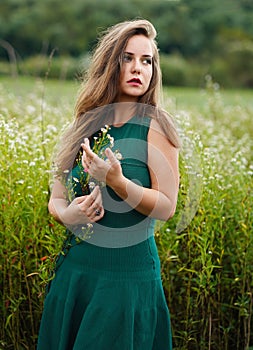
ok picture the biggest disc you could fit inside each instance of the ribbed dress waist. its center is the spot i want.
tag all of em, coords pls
(138, 261)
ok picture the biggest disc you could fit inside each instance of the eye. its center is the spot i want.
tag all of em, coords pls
(147, 61)
(127, 58)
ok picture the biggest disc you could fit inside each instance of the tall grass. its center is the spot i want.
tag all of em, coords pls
(27, 232)
(207, 268)
(206, 250)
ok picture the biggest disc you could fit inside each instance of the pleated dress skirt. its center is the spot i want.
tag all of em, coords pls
(106, 299)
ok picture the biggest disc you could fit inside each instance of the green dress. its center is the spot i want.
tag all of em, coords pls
(107, 292)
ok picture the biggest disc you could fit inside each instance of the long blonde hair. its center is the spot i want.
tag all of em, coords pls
(102, 81)
(100, 88)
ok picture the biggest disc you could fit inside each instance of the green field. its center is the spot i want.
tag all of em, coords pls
(57, 91)
(206, 250)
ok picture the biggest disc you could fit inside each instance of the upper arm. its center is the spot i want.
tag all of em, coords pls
(163, 163)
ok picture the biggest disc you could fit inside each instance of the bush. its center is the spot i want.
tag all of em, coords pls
(220, 71)
(177, 71)
(55, 67)
(233, 67)
(240, 62)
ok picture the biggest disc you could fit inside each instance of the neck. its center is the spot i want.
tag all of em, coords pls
(123, 112)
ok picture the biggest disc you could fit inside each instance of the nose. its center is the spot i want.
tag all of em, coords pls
(136, 68)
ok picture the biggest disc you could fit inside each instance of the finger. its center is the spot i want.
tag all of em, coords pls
(87, 142)
(88, 151)
(85, 205)
(94, 209)
(80, 199)
(99, 198)
(87, 156)
(90, 199)
(96, 205)
(85, 162)
(88, 209)
(110, 155)
(95, 217)
(95, 192)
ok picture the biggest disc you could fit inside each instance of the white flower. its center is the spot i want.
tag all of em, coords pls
(118, 155)
(30, 109)
(92, 185)
(111, 140)
(20, 182)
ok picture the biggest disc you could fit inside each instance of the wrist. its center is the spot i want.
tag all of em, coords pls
(119, 185)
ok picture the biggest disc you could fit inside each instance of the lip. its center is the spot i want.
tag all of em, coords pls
(134, 81)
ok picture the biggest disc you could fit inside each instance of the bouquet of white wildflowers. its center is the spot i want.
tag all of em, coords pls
(83, 183)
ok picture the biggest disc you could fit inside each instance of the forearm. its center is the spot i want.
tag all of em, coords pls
(56, 207)
(147, 201)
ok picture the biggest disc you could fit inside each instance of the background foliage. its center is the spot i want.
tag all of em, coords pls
(195, 37)
(207, 262)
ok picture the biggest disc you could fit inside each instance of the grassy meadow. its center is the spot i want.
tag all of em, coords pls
(206, 250)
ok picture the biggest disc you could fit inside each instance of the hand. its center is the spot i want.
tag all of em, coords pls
(84, 209)
(107, 171)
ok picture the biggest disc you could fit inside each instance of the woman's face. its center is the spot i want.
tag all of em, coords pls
(136, 70)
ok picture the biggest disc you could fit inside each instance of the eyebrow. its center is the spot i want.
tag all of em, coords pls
(132, 54)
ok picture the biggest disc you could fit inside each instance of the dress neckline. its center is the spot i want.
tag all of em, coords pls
(118, 126)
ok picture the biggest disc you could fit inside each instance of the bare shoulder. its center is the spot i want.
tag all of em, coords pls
(156, 127)
(156, 136)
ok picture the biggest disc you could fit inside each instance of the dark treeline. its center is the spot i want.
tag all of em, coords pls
(216, 35)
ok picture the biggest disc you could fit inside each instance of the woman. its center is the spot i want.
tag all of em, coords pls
(107, 291)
